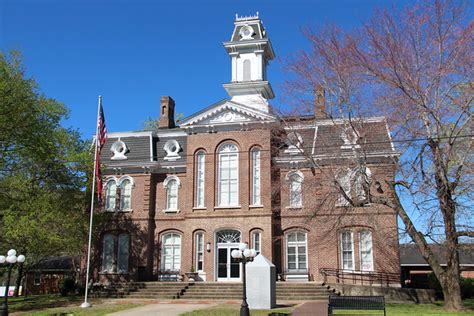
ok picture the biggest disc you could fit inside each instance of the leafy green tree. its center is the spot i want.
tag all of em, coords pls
(43, 171)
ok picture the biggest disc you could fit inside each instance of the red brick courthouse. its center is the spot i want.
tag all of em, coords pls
(181, 198)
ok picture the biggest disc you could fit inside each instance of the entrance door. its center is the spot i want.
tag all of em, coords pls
(228, 269)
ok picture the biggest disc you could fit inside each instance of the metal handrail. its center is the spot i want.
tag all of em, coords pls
(360, 277)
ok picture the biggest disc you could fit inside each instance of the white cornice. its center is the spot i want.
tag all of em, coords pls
(231, 106)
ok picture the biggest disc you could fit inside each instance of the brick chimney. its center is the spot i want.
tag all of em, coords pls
(319, 103)
(166, 112)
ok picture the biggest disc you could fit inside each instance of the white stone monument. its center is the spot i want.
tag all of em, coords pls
(261, 283)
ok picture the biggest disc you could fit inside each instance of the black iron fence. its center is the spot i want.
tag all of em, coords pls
(360, 277)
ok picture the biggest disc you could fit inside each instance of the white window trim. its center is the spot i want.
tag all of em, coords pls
(162, 257)
(306, 251)
(219, 153)
(105, 189)
(118, 253)
(289, 180)
(165, 186)
(196, 254)
(254, 233)
(254, 164)
(115, 253)
(200, 190)
(371, 252)
(344, 180)
(119, 185)
(342, 249)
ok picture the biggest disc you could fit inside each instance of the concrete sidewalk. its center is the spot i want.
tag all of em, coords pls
(163, 309)
(313, 308)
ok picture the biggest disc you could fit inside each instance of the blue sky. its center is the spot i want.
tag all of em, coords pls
(132, 52)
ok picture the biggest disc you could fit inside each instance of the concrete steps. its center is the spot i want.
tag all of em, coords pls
(285, 291)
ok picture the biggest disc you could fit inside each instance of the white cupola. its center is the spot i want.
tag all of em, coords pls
(250, 51)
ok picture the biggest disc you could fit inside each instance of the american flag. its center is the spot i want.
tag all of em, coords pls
(100, 141)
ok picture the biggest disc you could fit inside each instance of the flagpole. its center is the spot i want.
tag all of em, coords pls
(86, 304)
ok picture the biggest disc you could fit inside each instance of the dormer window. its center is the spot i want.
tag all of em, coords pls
(246, 33)
(295, 143)
(119, 150)
(172, 149)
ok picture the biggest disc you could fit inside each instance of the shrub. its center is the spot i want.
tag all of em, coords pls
(67, 286)
(467, 287)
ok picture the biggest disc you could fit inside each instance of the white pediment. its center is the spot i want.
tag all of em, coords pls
(227, 112)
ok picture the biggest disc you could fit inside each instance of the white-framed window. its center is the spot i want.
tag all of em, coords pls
(296, 251)
(110, 195)
(171, 185)
(296, 189)
(228, 170)
(257, 241)
(362, 178)
(344, 182)
(347, 250)
(200, 173)
(199, 242)
(123, 252)
(256, 177)
(115, 252)
(171, 252)
(125, 194)
(365, 249)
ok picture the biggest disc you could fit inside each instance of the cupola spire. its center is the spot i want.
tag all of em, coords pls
(250, 50)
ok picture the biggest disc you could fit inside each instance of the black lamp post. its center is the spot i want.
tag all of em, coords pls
(244, 255)
(10, 259)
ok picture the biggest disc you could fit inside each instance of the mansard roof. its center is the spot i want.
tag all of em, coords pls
(337, 138)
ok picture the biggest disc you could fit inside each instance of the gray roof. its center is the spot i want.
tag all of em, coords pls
(138, 150)
(410, 254)
(323, 139)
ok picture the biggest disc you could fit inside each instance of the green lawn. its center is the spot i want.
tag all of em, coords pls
(95, 310)
(392, 310)
(233, 310)
(415, 309)
(54, 304)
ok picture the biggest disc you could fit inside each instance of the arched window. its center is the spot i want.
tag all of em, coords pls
(296, 186)
(347, 250)
(125, 194)
(257, 241)
(115, 252)
(171, 252)
(296, 251)
(362, 178)
(108, 249)
(247, 70)
(365, 249)
(199, 244)
(228, 171)
(110, 195)
(255, 157)
(172, 184)
(344, 181)
(200, 167)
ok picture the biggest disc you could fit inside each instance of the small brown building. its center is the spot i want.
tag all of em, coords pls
(46, 277)
(416, 271)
